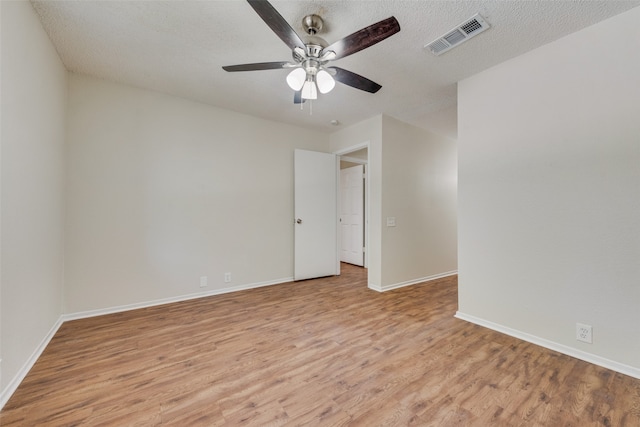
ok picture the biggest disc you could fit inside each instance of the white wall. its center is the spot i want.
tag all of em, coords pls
(162, 191)
(419, 190)
(549, 200)
(34, 84)
(413, 176)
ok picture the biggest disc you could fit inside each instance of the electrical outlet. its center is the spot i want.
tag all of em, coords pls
(227, 277)
(584, 333)
(203, 281)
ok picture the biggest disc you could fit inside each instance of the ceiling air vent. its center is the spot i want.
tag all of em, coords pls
(463, 32)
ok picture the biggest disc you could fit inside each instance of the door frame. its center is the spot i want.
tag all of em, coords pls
(342, 154)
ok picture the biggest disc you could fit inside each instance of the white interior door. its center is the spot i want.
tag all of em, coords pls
(315, 206)
(352, 215)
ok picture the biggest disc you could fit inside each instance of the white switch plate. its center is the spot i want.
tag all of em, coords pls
(391, 221)
(203, 281)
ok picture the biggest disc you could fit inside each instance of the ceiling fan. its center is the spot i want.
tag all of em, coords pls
(310, 57)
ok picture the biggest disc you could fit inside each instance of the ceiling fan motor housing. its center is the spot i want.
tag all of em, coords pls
(313, 50)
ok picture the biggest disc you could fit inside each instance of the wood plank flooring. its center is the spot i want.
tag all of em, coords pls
(324, 352)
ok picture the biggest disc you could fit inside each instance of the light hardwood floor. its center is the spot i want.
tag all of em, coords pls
(320, 352)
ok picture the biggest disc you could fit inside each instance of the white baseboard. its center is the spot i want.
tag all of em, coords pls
(15, 382)
(411, 282)
(22, 373)
(121, 308)
(561, 348)
(374, 287)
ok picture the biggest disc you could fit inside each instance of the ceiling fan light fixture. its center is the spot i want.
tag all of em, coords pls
(325, 81)
(297, 78)
(309, 90)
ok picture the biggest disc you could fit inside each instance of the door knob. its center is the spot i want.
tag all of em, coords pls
(299, 221)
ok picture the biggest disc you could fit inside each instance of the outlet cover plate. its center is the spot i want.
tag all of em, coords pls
(584, 333)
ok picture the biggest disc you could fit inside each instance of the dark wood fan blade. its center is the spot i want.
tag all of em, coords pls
(297, 97)
(355, 80)
(277, 23)
(256, 67)
(364, 38)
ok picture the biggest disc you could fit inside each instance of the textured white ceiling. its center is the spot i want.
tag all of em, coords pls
(179, 47)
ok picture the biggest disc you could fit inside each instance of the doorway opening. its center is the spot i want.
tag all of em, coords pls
(353, 230)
